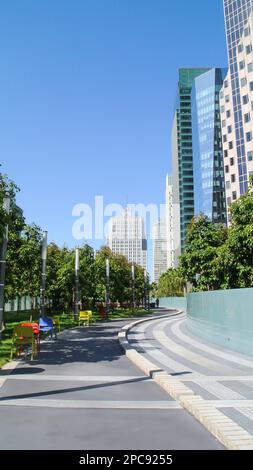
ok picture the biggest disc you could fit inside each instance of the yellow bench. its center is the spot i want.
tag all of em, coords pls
(85, 316)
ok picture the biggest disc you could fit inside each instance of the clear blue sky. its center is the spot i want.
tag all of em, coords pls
(87, 90)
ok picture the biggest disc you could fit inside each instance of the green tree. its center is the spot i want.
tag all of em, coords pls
(55, 260)
(23, 265)
(170, 284)
(65, 279)
(120, 276)
(7, 187)
(198, 263)
(139, 284)
(87, 276)
(238, 252)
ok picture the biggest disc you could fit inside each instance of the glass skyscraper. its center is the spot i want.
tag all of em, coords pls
(182, 163)
(208, 167)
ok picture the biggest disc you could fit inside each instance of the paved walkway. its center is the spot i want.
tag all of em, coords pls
(220, 376)
(83, 393)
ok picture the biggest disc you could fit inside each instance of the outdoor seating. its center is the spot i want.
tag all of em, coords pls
(85, 316)
(46, 325)
(36, 331)
(24, 336)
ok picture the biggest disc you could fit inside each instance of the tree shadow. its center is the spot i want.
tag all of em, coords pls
(80, 345)
(73, 389)
(21, 370)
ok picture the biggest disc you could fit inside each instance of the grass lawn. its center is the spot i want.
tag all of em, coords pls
(66, 321)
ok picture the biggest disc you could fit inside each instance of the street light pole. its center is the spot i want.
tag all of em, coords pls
(3, 249)
(107, 288)
(145, 289)
(148, 296)
(133, 285)
(43, 273)
(76, 307)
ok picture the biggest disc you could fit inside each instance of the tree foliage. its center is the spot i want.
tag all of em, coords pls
(197, 263)
(220, 258)
(170, 284)
(7, 188)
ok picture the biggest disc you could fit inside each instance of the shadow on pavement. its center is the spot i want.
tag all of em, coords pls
(22, 370)
(80, 345)
(73, 389)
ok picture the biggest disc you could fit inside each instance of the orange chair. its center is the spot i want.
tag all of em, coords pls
(24, 336)
(36, 330)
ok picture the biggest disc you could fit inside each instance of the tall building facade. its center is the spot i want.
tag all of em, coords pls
(208, 168)
(236, 99)
(160, 241)
(169, 222)
(182, 160)
(126, 236)
(162, 236)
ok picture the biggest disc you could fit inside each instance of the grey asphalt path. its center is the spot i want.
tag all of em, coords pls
(83, 393)
(222, 377)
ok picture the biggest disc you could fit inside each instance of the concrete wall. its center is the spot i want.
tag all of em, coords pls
(224, 317)
(173, 302)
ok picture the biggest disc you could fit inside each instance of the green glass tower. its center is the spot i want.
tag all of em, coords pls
(182, 158)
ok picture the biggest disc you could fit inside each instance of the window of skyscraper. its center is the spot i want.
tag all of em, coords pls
(232, 161)
(241, 64)
(250, 67)
(243, 81)
(247, 117)
(247, 31)
(248, 136)
(233, 178)
(250, 156)
(245, 99)
(249, 49)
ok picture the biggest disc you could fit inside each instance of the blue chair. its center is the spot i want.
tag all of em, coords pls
(46, 325)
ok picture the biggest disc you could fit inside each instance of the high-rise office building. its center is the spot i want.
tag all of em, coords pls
(236, 98)
(160, 241)
(182, 163)
(126, 236)
(162, 237)
(208, 168)
(169, 222)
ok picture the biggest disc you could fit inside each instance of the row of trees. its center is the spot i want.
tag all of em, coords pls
(23, 270)
(92, 277)
(215, 257)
